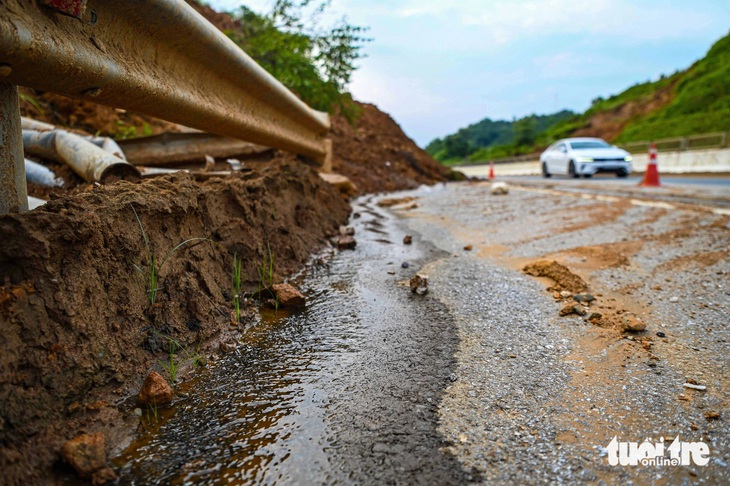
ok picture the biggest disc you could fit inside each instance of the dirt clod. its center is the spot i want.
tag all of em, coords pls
(86, 453)
(419, 284)
(155, 390)
(564, 279)
(346, 243)
(288, 296)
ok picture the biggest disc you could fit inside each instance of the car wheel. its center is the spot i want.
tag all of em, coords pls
(571, 170)
(622, 174)
(545, 172)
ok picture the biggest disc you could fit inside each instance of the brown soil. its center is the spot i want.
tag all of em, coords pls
(609, 125)
(377, 156)
(77, 326)
(79, 334)
(564, 279)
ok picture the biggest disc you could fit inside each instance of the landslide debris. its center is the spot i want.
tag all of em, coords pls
(79, 333)
(564, 279)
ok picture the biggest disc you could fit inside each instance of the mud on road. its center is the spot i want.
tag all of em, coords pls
(480, 380)
(540, 396)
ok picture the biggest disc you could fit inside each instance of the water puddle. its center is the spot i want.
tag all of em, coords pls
(343, 392)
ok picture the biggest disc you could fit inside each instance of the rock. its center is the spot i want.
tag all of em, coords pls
(661, 334)
(407, 239)
(288, 296)
(137, 412)
(499, 189)
(346, 242)
(567, 310)
(347, 230)
(674, 299)
(453, 377)
(103, 476)
(565, 294)
(584, 298)
(155, 390)
(86, 453)
(419, 284)
(556, 295)
(572, 309)
(405, 265)
(595, 318)
(227, 346)
(712, 415)
(632, 323)
(468, 247)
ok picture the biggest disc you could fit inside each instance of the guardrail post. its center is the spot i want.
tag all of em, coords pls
(13, 190)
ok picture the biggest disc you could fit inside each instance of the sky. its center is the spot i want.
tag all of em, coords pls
(437, 65)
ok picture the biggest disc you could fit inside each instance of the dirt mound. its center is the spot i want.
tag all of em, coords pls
(377, 156)
(564, 279)
(78, 328)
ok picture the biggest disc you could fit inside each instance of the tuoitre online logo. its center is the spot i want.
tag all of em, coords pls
(678, 453)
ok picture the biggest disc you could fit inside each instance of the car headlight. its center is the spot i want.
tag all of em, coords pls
(628, 158)
(584, 159)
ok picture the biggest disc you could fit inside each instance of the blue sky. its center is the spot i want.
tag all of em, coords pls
(437, 66)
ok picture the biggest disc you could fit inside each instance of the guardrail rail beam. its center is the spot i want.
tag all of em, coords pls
(161, 58)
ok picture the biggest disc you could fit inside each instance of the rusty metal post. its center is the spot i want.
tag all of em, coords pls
(13, 190)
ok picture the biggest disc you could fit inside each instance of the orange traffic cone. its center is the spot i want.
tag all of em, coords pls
(651, 176)
(491, 170)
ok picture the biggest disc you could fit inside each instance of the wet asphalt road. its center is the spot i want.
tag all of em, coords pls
(480, 380)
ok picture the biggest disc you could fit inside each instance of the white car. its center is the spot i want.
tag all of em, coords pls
(584, 157)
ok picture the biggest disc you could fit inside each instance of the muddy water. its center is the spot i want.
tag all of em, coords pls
(344, 392)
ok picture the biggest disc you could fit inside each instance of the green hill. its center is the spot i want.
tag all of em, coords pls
(689, 102)
(490, 139)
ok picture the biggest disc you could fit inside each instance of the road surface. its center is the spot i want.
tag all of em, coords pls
(481, 380)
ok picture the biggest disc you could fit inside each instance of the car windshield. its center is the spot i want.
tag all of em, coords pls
(589, 144)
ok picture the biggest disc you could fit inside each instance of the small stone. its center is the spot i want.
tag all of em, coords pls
(682, 397)
(587, 298)
(86, 453)
(391, 272)
(661, 334)
(347, 230)
(499, 189)
(468, 247)
(565, 294)
(578, 309)
(155, 390)
(712, 415)
(567, 310)
(632, 323)
(419, 284)
(227, 346)
(556, 295)
(453, 377)
(103, 476)
(407, 239)
(137, 412)
(288, 296)
(346, 242)
(405, 265)
(674, 299)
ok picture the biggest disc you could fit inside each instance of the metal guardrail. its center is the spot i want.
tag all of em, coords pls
(680, 144)
(157, 57)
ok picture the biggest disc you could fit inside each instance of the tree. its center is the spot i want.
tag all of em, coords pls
(314, 62)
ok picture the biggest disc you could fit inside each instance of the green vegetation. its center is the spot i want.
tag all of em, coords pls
(689, 102)
(490, 139)
(236, 286)
(314, 62)
(266, 275)
(150, 272)
(170, 366)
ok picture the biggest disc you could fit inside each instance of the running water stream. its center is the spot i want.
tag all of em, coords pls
(343, 392)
